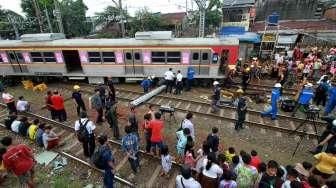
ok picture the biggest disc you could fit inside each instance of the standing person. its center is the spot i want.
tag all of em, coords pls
(246, 77)
(213, 140)
(85, 132)
(156, 126)
(19, 159)
(151, 111)
(274, 102)
(112, 118)
(169, 80)
(322, 92)
(227, 180)
(49, 106)
(133, 121)
(185, 180)
(147, 131)
(241, 112)
(190, 78)
(331, 103)
(77, 97)
(145, 84)
(215, 97)
(255, 159)
(130, 145)
(211, 171)
(268, 179)
(102, 92)
(111, 88)
(326, 164)
(58, 105)
(246, 174)
(186, 123)
(182, 138)
(305, 97)
(97, 104)
(179, 83)
(9, 101)
(107, 160)
(49, 137)
(166, 161)
(22, 105)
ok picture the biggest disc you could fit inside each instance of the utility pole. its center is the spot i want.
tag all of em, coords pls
(58, 15)
(12, 22)
(48, 19)
(38, 15)
(201, 6)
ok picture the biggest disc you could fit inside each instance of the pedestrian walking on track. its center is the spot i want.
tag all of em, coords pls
(85, 133)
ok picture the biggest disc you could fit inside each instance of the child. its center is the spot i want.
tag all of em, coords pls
(166, 161)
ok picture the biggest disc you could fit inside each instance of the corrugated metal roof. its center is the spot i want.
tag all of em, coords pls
(287, 39)
(237, 2)
(120, 42)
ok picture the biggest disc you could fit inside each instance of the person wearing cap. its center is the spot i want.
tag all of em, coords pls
(274, 102)
(326, 164)
(215, 96)
(331, 103)
(77, 97)
(241, 112)
(305, 97)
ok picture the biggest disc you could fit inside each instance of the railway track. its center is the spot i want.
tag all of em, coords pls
(150, 165)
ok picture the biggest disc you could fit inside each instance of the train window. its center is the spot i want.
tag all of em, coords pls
(108, 57)
(19, 56)
(158, 57)
(1, 59)
(173, 57)
(195, 56)
(137, 56)
(94, 57)
(128, 56)
(49, 57)
(36, 54)
(205, 56)
(37, 57)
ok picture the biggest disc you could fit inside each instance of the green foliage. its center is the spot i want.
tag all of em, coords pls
(144, 20)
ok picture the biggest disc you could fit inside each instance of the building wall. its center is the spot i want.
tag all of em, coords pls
(330, 14)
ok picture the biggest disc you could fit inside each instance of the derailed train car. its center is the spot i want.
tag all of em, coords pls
(149, 53)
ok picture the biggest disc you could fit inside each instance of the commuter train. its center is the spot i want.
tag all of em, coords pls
(149, 53)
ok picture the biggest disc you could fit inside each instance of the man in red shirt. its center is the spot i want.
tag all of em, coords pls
(156, 127)
(19, 159)
(255, 159)
(58, 105)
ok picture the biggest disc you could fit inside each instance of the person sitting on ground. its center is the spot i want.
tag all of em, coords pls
(213, 140)
(9, 120)
(307, 165)
(255, 159)
(211, 171)
(32, 130)
(229, 154)
(39, 134)
(189, 157)
(24, 126)
(222, 162)
(50, 139)
(15, 125)
(261, 171)
(22, 105)
(201, 155)
(326, 164)
(185, 180)
(235, 164)
(303, 174)
(227, 180)
(9, 100)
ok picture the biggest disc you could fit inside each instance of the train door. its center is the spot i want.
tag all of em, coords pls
(195, 60)
(17, 61)
(205, 62)
(133, 62)
(129, 64)
(72, 61)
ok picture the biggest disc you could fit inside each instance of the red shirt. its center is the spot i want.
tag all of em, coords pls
(57, 102)
(18, 159)
(255, 161)
(156, 126)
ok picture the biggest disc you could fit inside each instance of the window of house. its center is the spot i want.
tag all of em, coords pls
(158, 57)
(173, 57)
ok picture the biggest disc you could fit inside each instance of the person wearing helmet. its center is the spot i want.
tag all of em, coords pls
(77, 97)
(274, 102)
(215, 96)
(305, 97)
(246, 76)
(331, 103)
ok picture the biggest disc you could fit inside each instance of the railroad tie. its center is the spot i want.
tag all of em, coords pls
(178, 104)
(154, 176)
(188, 106)
(81, 151)
(263, 131)
(159, 101)
(276, 123)
(261, 120)
(221, 113)
(61, 132)
(172, 181)
(278, 134)
(68, 148)
(122, 163)
(198, 108)
(209, 110)
(292, 125)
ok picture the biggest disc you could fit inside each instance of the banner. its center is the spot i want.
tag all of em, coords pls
(119, 57)
(4, 57)
(146, 57)
(83, 55)
(59, 57)
(26, 57)
(185, 57)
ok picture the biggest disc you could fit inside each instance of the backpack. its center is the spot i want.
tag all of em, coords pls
(17, 161)
(97, 158)
(245, 177)
(82, 133)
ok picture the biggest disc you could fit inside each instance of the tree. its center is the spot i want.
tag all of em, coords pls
(145, 21)
(9, 21)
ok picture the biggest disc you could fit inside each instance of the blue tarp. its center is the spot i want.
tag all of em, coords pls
(239, 32)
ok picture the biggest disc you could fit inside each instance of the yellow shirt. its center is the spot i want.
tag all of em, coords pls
(326, 163)
(32, 131)
(229, 156)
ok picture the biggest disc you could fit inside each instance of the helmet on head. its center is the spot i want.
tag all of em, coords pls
(308, 85)
(215, 83)
(277, 85)
(76, 87)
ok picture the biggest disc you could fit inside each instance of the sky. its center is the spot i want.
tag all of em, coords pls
(164, 6)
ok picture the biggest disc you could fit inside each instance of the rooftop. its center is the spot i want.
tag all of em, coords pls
(238, 3)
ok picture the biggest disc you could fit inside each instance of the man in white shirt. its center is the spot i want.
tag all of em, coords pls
(169, 79)
(22, 105)
(185, 180)
(186, 123)
(179, 83)
(15, 125)
(89, 141)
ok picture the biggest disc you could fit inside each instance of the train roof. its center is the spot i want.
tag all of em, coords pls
(120, 42)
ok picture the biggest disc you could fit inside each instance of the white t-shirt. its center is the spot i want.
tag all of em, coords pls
(15, 126)
(21, 105)
(7, 97)
(214, 171)
(89, 126)
(179, 77)
(169, 75)
(188, 124)
(188, 183)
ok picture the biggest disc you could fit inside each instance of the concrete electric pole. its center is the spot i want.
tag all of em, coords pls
(38, 15)
(58, 15)
(201, 6)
